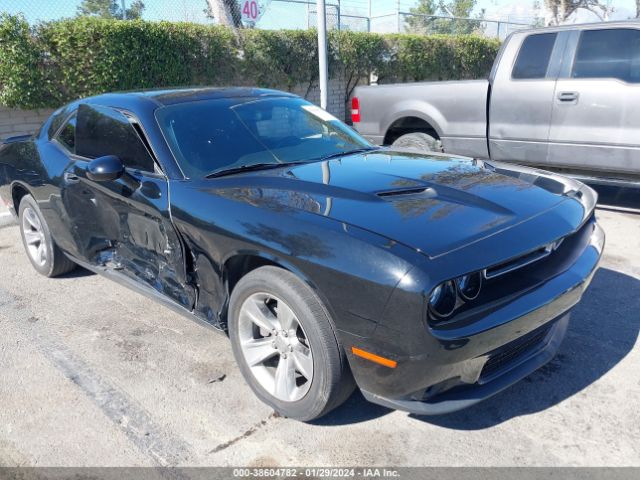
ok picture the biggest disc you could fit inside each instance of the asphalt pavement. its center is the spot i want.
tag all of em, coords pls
(92, 374)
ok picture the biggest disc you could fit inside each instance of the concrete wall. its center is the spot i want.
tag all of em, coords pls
(336, 105)
(19, 122)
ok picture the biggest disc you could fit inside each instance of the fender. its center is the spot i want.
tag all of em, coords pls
(419, 109)
(282, 262)
(10, 200)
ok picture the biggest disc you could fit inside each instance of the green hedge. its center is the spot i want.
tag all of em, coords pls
(439, 57)
(52, 63)
(24, 79)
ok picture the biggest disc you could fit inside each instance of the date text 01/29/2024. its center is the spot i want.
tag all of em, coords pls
(320, 472)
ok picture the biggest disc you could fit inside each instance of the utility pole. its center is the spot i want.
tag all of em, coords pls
(124, 10)
(322, 52)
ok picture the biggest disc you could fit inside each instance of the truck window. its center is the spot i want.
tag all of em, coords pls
(534, 55)
(608, 53)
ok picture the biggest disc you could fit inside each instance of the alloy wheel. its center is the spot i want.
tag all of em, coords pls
(275, 347)
(34, 236)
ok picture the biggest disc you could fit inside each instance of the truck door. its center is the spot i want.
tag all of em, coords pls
(522, 97)
(596, 120)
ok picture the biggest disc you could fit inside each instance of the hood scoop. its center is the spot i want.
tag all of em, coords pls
(407, 191)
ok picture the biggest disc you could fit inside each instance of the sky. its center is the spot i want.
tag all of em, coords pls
(297, 15)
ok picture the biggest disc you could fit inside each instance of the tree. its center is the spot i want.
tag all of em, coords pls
(558, 12)
(226, 12)
(426, 15)
(111, 9)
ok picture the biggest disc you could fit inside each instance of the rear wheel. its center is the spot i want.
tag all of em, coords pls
(44, 254)
(285, 346)
(419, 141)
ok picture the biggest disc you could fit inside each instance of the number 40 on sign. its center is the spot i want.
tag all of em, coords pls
(252, 10)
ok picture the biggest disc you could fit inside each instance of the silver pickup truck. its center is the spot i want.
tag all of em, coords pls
(563, 98)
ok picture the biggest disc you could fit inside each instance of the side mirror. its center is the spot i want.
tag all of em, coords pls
(105, 169)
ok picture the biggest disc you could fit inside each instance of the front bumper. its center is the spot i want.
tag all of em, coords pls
(487, 360)
(464, 396)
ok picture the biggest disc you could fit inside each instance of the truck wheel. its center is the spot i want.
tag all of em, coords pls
(285, 346)
(44, 254)
(419, 141)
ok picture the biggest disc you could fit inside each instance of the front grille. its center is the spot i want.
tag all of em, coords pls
(522, 261)
(508, 355)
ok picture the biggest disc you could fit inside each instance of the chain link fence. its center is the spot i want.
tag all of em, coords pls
(354, 15)
(171, 10)
(404, 22)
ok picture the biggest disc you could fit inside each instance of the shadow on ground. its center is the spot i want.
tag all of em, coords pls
(78, 272)
(618, 197)
(603, 330)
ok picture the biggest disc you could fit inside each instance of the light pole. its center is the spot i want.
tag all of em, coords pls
(322, 52)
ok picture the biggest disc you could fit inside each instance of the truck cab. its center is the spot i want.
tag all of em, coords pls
(562, 98)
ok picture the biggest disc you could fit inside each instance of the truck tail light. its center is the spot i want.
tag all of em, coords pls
(355, 110)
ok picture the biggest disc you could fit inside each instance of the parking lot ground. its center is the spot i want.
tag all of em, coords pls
(92, 374)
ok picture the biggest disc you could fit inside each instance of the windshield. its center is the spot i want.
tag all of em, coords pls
(212, 136)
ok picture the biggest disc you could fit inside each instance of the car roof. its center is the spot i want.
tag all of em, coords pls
(172, 96)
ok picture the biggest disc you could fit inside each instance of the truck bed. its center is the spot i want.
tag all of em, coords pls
(456, 109)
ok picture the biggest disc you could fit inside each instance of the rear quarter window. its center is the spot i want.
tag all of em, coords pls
(57, 118)
(67, 135)
(534, 55)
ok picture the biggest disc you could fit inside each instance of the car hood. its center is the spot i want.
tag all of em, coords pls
(432, 203)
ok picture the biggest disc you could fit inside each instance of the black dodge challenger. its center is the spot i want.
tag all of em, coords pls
(430, 282)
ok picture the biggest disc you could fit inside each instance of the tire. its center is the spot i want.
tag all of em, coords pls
(36, 238)
(419, 141)
(331, 382)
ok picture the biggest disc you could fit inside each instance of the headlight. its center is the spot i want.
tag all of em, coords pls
(469, 286)
(452, 294)
(442, 301)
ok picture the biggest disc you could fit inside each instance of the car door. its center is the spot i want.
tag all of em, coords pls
(123, 224)
(78, 211)
(596, 121)
(522, 98)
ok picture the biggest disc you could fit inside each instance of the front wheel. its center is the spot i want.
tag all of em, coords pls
(44, 254)
(285, 345)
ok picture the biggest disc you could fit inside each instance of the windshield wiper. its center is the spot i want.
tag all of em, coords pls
(268, 165)
(250, 168)
(348, 152)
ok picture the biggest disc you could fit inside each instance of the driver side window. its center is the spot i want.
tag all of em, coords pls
(105, 131)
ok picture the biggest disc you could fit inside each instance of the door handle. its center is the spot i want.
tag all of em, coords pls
(71, 177)
(568, 97)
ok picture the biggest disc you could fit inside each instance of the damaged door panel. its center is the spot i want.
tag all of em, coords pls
(207, 279)
(124, 223)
